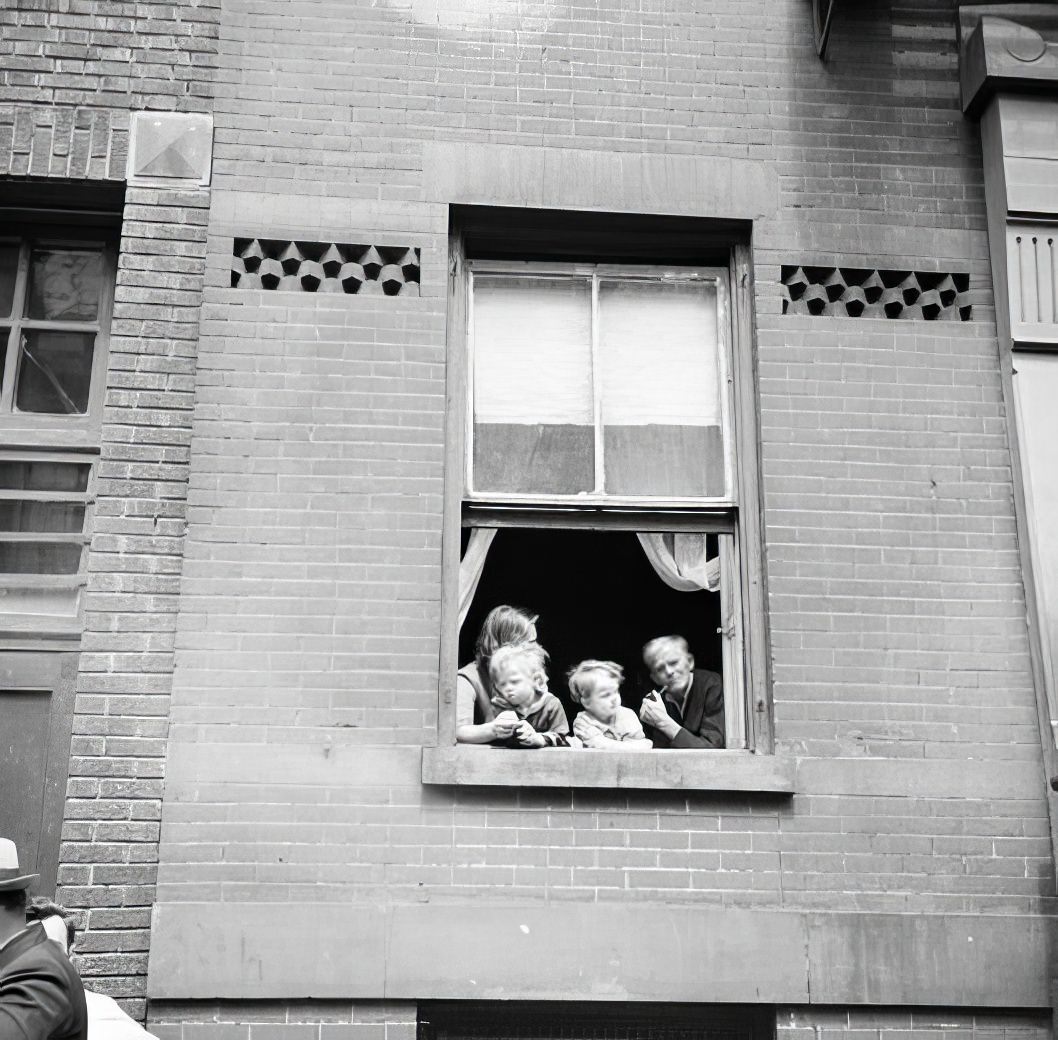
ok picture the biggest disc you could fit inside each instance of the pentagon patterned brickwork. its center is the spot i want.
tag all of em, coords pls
(322, 267)
(846, 292)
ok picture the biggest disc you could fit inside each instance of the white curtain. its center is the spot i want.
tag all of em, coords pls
(680, 561)
(471, 566)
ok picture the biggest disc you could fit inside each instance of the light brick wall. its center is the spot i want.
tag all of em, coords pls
(294, 1020)
(311, 590)
(896, 1024)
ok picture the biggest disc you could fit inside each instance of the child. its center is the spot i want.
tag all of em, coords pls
(521, 698)
(603, 724)
(687, 708)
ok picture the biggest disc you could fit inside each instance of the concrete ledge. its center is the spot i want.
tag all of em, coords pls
(563, 767)
(581, 178)
(602, 951)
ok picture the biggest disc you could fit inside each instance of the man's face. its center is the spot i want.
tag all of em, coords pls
(55, 927)
(671, 669)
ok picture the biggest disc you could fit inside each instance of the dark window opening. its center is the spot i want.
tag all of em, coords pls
(591, 1020)
(598, 597)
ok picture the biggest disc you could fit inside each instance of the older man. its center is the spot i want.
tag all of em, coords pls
(41, 996)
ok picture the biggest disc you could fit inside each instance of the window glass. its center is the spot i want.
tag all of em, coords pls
(8, 272)
(39, 558)
(46, 475)
(50, 517)
(54, 371)
(65, 284)
(533, 396)
(660, 389)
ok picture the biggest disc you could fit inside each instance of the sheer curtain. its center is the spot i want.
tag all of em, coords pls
(471, 566)
(680, 561)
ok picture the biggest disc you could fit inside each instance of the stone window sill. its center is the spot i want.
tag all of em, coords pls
(564, 767)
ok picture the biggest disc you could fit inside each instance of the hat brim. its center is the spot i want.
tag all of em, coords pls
(15, 883)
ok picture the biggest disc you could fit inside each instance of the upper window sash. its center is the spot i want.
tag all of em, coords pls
(601, 287)
(68, 428)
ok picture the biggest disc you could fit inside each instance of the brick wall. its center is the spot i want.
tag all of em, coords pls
(308, 612)
(894, 1024)
(296, 1020)
(118, 54)
(109, 852)
(311, 591)
(70, 75)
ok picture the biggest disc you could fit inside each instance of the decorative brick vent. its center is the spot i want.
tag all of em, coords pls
(322, 267)
(847, 292)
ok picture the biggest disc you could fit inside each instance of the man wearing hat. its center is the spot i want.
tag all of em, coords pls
(41, 996)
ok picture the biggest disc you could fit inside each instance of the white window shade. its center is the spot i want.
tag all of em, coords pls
(1035, 391)
(658, 362)
(533, 396)
(591, 383)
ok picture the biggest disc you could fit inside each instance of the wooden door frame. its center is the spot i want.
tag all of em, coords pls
(54, 672)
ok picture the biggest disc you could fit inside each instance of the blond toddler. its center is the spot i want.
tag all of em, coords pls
(604, 725)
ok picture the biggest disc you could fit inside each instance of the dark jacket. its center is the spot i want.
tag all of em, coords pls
(702, 717)
(41, 996)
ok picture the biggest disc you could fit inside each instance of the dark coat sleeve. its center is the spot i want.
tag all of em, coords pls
(703, 723)
(34, 1003)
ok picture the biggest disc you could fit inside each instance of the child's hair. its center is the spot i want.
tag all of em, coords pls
(533, 653)
(656, 647)
(583, 678)
(503, 625)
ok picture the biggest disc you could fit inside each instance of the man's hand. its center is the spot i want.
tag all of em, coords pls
(653, 714)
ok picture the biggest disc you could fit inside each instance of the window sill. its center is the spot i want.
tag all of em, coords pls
(564, 767)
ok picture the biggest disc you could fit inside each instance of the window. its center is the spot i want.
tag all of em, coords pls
(54, 303)
(601, 462)
(603, 390)
(56, 287)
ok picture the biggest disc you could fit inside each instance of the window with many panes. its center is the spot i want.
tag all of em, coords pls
(601, 448)
(56, 288)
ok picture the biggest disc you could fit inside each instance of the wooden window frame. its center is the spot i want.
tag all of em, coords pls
(49, 429)
(752, 768)
(715, 277)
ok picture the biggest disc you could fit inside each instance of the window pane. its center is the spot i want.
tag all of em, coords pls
(659, 362)
(533, 398)
(64, 284)
(52, 517)
(39, 558)
(45, 475)
(5, 336)
(1036, 389)
(8, 271)
(54, 371)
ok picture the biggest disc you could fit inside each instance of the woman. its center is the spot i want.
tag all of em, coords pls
(475, 716)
